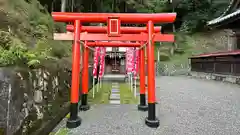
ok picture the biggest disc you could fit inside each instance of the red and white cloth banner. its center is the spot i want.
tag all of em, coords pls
(136, 67)
(133, 59)
(130, 58)
(103, 67)
(102, 61)
(126, 58)
(96, 55)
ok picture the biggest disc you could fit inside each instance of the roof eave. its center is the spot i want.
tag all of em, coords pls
(233, 16)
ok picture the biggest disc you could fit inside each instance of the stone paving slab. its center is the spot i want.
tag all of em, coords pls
(114, 97)
(115, 90)
(115, 102)
(115, 86)
(115, 94)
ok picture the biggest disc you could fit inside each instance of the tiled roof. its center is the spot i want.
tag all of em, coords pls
(232, 5)
(227, 14)
(225, 53)
(221, 19)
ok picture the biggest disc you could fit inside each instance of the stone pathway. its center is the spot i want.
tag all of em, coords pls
(114, 97)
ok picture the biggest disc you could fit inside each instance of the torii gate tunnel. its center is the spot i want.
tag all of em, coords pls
(114, 33)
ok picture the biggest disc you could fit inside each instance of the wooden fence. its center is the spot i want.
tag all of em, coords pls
(225, 63)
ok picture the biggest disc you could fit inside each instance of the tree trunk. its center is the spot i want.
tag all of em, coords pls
(63, 5)
(77, 4)
(174, 43)
(158, 54)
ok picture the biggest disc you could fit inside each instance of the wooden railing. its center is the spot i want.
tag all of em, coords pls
(225, 63)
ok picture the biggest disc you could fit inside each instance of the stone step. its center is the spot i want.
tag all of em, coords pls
(114, 102)
(114, 77)
(115, 90)
(115, 87)
(114, 97)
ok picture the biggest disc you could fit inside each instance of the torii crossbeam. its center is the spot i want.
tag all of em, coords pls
(111, 44)
(124, 37)
(124, 17)
(104, 29)
(114, 33)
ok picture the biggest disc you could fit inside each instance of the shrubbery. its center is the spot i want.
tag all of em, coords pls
(26, 35)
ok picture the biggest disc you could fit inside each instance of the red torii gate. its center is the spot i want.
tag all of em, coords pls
(130, 30)
(114, 34)
(84, 104)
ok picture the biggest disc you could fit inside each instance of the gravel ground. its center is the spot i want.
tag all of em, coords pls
(186, 107)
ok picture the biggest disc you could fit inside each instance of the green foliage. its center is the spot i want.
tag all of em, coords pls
(59, 27)
(164, 56)
(26, 28)
(195, 14)
(2, 130)
(62, 131)
(151, 6)
(19, 54)
(5, 39)
(191, 14)
(56, 48)
(179, 51)
(26, 35)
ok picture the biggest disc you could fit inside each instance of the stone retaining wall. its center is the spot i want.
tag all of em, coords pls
(32, 98)
(217, 77)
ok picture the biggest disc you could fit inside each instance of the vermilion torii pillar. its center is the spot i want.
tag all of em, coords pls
(84, 104)
(114, 34)
(151, 120)
(142, 105)
(74, 120)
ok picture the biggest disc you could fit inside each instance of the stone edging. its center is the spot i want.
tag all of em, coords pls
(51, 124)
(216, 77)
